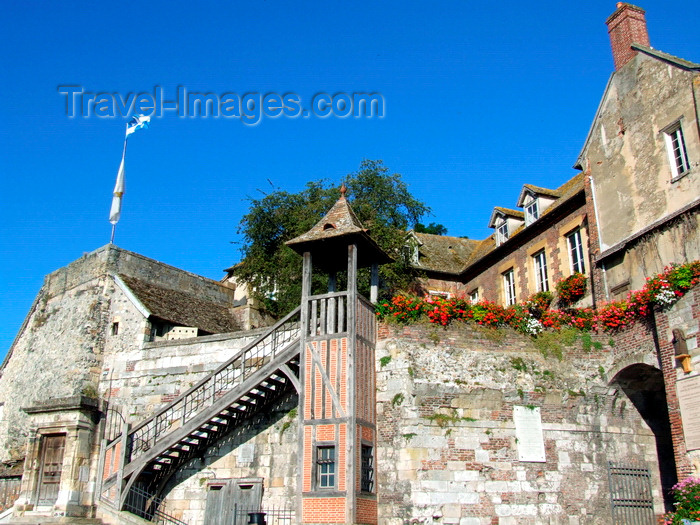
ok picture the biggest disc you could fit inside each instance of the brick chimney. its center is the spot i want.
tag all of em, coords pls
(626, 26)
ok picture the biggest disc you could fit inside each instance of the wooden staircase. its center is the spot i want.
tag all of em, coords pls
(146, 455)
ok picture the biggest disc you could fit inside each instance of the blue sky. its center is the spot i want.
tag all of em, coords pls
(480, 98)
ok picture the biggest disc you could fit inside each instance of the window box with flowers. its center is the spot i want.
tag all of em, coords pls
(572, 288)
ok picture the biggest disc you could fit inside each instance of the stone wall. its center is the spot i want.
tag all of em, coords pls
(57, 354)
(447, 446)
(675, 241)
(140, 380)
(684, 315)
(67, 344)
(265, 449)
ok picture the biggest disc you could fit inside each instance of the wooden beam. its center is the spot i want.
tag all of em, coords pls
(292, 378)
(352, 268)
(374, 285)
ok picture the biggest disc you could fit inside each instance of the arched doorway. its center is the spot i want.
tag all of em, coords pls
(644, 387)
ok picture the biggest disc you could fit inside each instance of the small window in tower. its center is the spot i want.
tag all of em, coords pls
(367, 480)
(325, 467)
(115, 328)
(329, 226)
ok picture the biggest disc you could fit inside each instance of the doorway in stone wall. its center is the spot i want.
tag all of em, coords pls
(644, 387)
(230, 500)
(50, 468)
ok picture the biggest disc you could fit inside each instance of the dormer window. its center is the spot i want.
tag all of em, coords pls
(412, 249)
(534, 200)
(506, 222)
(414, 254)
(501, 231)
(532, 210)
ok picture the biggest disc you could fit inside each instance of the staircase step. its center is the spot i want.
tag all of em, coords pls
(208, 422)
(46, 520)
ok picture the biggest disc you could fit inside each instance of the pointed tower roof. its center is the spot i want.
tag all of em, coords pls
(335, 231)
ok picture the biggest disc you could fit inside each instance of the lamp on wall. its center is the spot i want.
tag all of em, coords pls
(680, 348)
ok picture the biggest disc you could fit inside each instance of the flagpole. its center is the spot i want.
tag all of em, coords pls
(136, 123)
(126, 136)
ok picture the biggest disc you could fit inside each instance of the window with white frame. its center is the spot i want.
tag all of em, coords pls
(474, 296)
(540, 262)
(532, 210)
(411, 251)
(509, 287)
(675, 147)
(501, 231)
(325, 467)
(576, 252)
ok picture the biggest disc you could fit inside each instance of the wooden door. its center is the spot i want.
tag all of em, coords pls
(229, 501)
(214, 513)
(50, 468)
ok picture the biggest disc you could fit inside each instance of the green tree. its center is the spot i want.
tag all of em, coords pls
(433, 228)
(381, 201)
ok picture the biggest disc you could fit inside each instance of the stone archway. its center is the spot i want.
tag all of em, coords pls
(644, 387)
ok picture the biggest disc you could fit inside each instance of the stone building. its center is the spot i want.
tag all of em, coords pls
(641, 161)
(137, 389)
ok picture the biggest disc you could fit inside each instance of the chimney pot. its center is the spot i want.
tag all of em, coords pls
(626, 26)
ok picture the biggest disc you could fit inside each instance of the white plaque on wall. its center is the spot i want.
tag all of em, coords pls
(528, 434)
(246, 453)
(689, 400)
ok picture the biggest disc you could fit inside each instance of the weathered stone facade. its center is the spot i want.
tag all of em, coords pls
(448, 449)
(642, 160)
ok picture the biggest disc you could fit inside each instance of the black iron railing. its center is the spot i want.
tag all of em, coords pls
(208, 390)
(263, 515)
(149, 507)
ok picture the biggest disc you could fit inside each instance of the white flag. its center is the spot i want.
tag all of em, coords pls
(136, 123)
(116, 209)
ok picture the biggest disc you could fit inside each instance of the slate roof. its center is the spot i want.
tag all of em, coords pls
(339, 221)
(440, 253)
(509, 212)
(542, 191)
(516, 214)
(455, 256)
(182, 309)
(338, 228)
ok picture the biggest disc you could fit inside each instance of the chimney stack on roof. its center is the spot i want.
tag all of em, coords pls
(626, 26)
